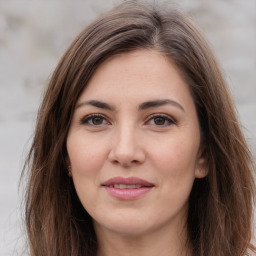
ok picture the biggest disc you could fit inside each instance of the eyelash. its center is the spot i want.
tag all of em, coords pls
(87, 119)
(167, 118)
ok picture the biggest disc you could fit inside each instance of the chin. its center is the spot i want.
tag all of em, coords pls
(125, 224)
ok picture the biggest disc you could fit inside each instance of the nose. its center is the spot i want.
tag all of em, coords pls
(126, 150)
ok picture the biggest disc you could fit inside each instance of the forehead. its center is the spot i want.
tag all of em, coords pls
(145, 72)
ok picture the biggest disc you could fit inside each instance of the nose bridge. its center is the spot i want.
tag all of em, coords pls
(125, 139)
(125, 148)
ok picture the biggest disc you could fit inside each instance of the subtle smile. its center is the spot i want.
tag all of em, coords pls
(127, 188)
(124, 186)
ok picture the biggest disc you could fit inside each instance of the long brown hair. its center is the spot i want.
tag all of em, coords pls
(220, 205)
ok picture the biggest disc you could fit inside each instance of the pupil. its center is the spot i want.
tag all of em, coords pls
(159, 120)
(97, 120)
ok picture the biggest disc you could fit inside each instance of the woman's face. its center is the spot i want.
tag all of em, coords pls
(134, 145)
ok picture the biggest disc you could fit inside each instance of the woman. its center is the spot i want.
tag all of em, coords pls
(137, 148)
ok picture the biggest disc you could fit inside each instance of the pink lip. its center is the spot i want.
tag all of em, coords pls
(127, 181)
(127, 193)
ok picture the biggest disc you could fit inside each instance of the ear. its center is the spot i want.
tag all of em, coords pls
(201, 169)
(68, 165)
(67, 162)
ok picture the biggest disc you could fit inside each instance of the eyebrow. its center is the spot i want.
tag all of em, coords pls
(96, 103)
(142, 106)
(159, 103)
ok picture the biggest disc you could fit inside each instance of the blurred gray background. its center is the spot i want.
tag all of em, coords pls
(34, 35)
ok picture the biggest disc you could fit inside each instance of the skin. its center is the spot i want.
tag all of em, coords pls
(160, 144)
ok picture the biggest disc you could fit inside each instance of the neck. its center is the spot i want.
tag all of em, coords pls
(161, 243)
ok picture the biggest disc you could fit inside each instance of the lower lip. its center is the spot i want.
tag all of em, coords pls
(127, 194)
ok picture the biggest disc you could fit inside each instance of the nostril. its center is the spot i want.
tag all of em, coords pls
(115, 162)
(125, 164)
(126, 156)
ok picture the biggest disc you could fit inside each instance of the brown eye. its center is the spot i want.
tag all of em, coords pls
(98, 120)
(160, 120)
(94, 120)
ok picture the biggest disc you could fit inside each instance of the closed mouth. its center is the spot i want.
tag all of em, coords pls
(125, 186)
(127, 183)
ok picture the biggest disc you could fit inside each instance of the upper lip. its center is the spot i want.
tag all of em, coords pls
(127, 181)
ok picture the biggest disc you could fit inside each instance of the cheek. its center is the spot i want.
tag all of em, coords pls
(86, 155)
(176, 157)
(86, 160)
(175, 162)
(177, 168)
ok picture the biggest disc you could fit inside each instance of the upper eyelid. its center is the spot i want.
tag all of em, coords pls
(87, 117)
(167, 116)
(162, 115)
